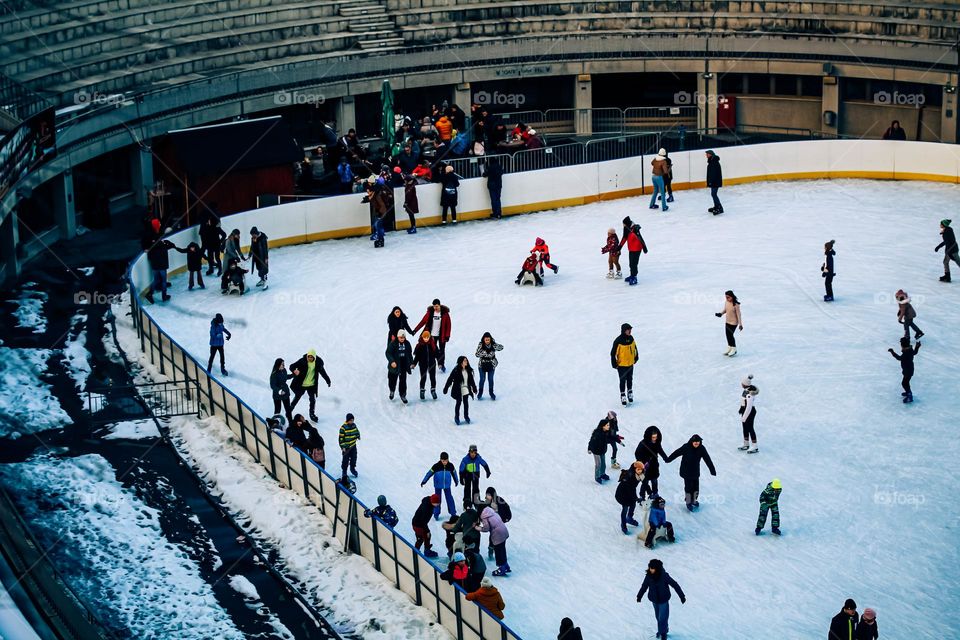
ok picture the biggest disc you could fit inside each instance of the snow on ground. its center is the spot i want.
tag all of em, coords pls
(29, 312)
(864, 476)
(143, 583)
(76, 356)
(27, 404)
(246, 588)
(133, 430)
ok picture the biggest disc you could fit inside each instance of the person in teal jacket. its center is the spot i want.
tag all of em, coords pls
(444, 476)
(770, 501)
(470, 475)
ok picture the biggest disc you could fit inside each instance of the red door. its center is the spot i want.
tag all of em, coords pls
(727, 112)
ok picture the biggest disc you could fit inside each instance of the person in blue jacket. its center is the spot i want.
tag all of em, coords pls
(470, 475)
(217, 332)
(657, 585)
(444, 476)
(658, 518)
(384, 512)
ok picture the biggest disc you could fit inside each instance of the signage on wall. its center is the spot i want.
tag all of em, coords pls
(516, 72)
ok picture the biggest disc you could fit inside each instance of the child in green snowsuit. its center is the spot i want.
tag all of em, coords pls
(770, 501)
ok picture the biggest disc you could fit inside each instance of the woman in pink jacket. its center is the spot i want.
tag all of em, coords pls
(491, 523)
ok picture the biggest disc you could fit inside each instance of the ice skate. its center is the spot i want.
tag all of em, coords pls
(430, 553)
(412, 230)
(669, 198)
(945, 278)
(457, 420)
(313, 416)
(623, 399)
(630, 395)
(907, 399)
(755, 449)
(776, 531)
(403, 399)
(618, 276)
(828, 298)
(556, 269)
(746, 445)
(727, 352)
(433, 392)
(391, 395)
(223, 370)
(757, 531)
(919, 335)
(614, 464)
(261, 282)
(610, 275)
(423, 394)
(733, 352)
(654, 206)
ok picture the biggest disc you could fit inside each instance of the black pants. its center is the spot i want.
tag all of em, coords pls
(349, 459)
(634, 261)
(212, 254)
(905, 383)
(393, 375)
(214, 351)
(906, 329)
(648, 487)
(199, 275)
(668, 185)
(311, 395)
(471, 487)
(748, 431)
(453, 212)
(495, 209)
(441, 352)
(828, 285)
(262, 267)
(626, 378)
(465, 401)
(424, 372)
(652, 533)
(281, 399)
(537, 278)
(731, 330)
(691, 489)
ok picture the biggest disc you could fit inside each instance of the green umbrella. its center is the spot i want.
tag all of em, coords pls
(386, 100)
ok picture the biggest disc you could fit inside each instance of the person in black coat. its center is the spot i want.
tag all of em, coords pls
(844, 624)
(450, 182)
(657, 585)
(950, 249)
(421, 524)
(906, 366)
(396, 321)
(304, 436)
(159, 260)
(259, 253)
(279, 388)
(493, 172)
(690, 456)
(568, 631)
(399, 363)
(425, 356)
(307, 367)
(714, 181)
(626, 494)
(647, 451)
(212, 238)
(194, 263)
(461, 387)
(826, 270)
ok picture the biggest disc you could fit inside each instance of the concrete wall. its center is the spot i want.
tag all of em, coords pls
(779, 111)
(866, 119)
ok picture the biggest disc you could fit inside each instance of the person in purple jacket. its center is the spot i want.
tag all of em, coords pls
(444, 476)
(492, 523)
(656, 584)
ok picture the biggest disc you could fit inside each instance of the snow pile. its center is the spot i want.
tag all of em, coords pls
(133, 430)
(29, 312)
(76, 356)
(246, 588)
(26, 402)
(142, 583)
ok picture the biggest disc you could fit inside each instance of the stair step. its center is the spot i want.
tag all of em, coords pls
(384, 25)
(370, 9)
(385, 42)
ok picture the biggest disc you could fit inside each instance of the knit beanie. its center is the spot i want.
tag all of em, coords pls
(382, 501)
(869, 614)
(945, 222)
(746, 382)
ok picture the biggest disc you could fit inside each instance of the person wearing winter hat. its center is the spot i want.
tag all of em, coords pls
(615, 438)
(748, 413)
(950, 249)
(612, 249)
(732, 320)
(623, 355)
(399, 363)
(444, 476)
(470, 467)
(906, 315)
(626, 494)
(826, 270)
(542, 251)
(450, 183)
(714, 180)
(659, 169)
(569, 631)
(635, 245)
(347, 438)
(259, 253)
(843, 626)
(457, 571)
(867, 627)
(217, 333)
(489, 597)
(770, 501)
(657, 584)
(383, 512)
(906, 356)
(691, 454)
(421, 524)
(305, 375)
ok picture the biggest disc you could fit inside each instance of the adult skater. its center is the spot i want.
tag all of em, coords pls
(279, 388)
(542, 250)
(493, 172)
(399, 363)
(714, 181)
(461, 386)
(867, 627)
(383, 512)
(597, 446)
(770, 501)
(569, 631)
(647, 451)
(493, 500)
(691, 454)
(450, 183)
(231, 248)
(436, 319)
(826, 270)
(906, 366)
(305, 372)
(657, 585)
(635, 245)
(950, 249)
(748, 413)
(658, 167)
(470, 467)
(211, 240)
(626, 494)
(444, 476)
(411, 204)
(259, 254)
(217, 333)
(347, 439)
(843, 626)
(623, 355)
(304, 436)
(906, 315)
(490, 522)
(668, 176)
(425, 357)
(733, 320)
(612, 249)
(396, 321)
(421, 524)
(159, 260)
(487, 362)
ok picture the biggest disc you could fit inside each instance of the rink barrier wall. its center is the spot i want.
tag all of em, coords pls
(345, 216)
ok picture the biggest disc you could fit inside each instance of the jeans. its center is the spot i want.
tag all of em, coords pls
(731, 330)
(159, 282)
(659, 189)
(495, 210)
(626, 378)
(484, 376)
(448, 494)
(626, 513)
(349, 459)
(599, 466)
(716, 200)
(661, 610)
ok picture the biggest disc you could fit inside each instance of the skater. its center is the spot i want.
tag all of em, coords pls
(449, 182)
(383, 512)
(732, 319)
(826, 270)
(470, 467)
(444, 476)
(376, 233)
(410, 202)
(714, 181)
(279, 388)
(542, 251)
(425, 357)
(347, 439)
(212, 238)
(659, 169)
(437, 320)
(488, 596)
(906, 314)
(668, 176)
(233, 278)
(658, 582)
(217, 332)
(906, 356)
(421, 524)
(461, 386)
(597, 446)
(843, 626)
(647, 451)
(635, 245)
(658, 519)
(529, 267)
(348, 485)
(159, 259)
(457, 571)
(194, 264)
(623, 355)
(568, 631)
(867, 627)
(493, 172)
(399, 363)
(259, 254)
(626, 494)
(616, 438)
(950, 249)
(304, 436)
(691, 454)
(748, 413)
(490, 522)
(396, 321)
(231, 248)
(305, 372)
(463, 533)
(493, 500)
(487, 362)
(770, 501)
(612, 249)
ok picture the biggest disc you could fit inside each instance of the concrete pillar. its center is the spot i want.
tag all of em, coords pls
(141, 174)
(948, 114)
(8, 247)
(830, 103)
(706, 101)
(346, 114)
(64, 208)
(582, 104)
(462, 98)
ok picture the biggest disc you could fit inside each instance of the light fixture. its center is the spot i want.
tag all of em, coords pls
(707, 76)
(950, 89)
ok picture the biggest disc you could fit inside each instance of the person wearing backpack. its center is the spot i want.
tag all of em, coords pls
(626, 494)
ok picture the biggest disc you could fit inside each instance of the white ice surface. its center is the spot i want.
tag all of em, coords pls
(27, 404)
(865, 506)
(133, 430)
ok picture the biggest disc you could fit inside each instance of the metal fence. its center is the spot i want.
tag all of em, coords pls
(392, 554)
(158, 399)
(606, 120)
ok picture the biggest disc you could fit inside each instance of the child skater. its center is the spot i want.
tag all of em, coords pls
(906, 314)
(658, 519)
(217, 333)
(194, 263)
(748, 413)
(377, 235)
(530, 266)
(410, 203)
(612, 249)
(906, 366)
(540, 247)
(826, 270)
(770, 501)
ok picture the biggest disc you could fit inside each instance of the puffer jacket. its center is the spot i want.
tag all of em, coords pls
(491, 523)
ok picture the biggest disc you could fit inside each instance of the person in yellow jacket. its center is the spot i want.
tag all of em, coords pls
(623, 356)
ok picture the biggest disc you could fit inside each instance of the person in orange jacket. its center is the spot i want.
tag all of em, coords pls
(543, 251)
(444, 128)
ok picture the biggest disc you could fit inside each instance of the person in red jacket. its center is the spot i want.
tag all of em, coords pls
(541, 249)
(530, 266)
(437, 321)
(635, 244)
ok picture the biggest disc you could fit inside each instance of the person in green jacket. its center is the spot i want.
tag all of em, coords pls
(770, 501)
(349, 435)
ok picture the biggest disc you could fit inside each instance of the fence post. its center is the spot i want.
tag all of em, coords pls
(376, 545)
(456, 602)
(303, 471)
(416, 578)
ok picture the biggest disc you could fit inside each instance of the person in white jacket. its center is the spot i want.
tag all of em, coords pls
(748, 412)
